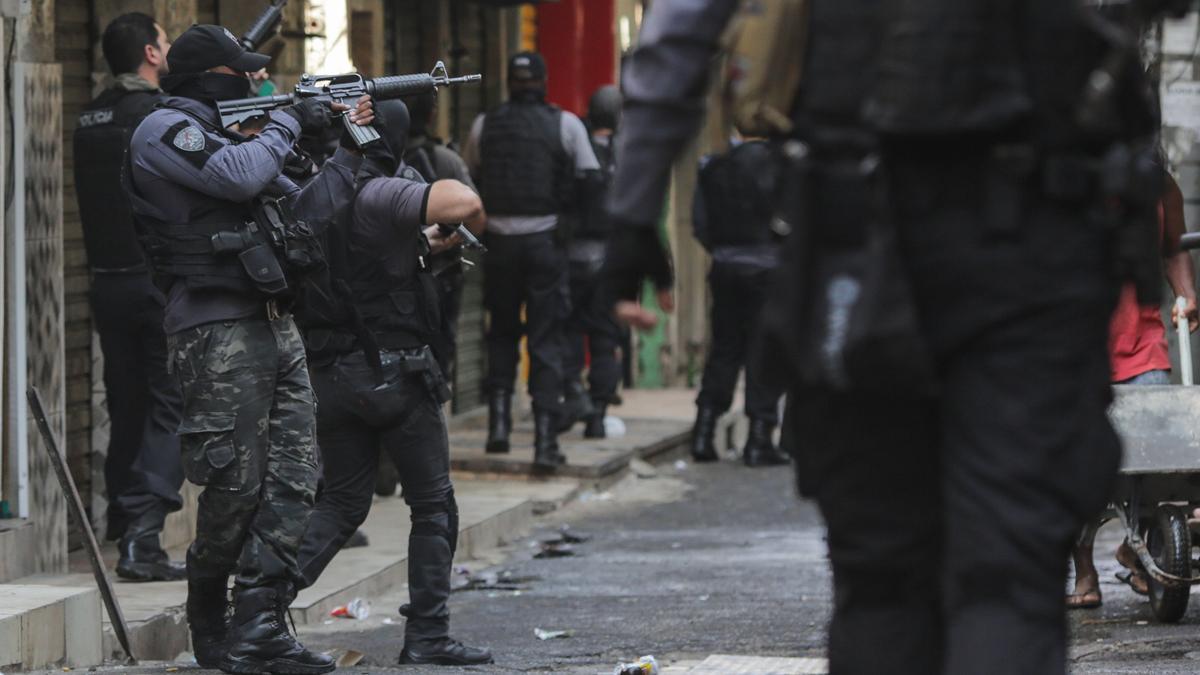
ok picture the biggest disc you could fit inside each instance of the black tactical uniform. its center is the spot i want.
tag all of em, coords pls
(525, 155)
(379, 387)
(591, 328)
(944, 304)
(732, 215)
(142, 473)
(229, 256)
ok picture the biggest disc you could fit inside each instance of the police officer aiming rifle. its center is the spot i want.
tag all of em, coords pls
(248, 422)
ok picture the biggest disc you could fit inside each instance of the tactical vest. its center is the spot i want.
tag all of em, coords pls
(946, 68)
(251, 248)
(101, 141)
(738, 190)
(373, 297)
(525, 168)
(593, 214)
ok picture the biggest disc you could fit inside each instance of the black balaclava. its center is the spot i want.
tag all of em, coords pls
(604, 108)
(393, 122)
(207, 87)
(420, 109)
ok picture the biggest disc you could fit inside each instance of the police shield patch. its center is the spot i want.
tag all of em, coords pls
(189, 139)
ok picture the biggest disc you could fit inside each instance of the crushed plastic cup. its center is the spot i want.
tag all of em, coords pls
(646, 665)
(614, 427)
(355, 609)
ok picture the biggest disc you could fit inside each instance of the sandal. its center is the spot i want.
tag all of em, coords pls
(1086, 600)
(1130, 579)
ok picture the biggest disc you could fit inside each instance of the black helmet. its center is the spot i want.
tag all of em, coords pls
(604, 108)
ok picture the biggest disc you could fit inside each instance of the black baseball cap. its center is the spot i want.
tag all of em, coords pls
(522, 67)
(205, 46)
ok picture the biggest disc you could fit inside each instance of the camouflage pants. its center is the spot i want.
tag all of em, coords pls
(247, 436)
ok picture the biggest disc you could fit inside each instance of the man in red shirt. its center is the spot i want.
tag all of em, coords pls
(1138, 350)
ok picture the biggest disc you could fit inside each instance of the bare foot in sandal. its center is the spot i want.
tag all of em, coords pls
(1135, 578)
(1087, 579)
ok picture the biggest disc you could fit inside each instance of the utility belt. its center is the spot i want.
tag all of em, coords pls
(417, 361)
(843, 309)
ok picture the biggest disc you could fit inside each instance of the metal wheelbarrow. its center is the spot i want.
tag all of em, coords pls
(1160, 480)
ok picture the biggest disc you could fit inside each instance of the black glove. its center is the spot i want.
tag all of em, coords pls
(635, 252)
(313, 114)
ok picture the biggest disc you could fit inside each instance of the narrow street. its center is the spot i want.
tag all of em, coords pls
(705, 560)
(694, 561)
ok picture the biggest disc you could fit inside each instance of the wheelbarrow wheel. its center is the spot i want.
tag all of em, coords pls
(1170, 544)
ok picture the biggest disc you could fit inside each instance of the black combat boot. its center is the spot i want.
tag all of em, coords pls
(760, 447)
(703, 449)
(499, 421)
(546, 456)
(577, 405)
(259, 641)
(427, 638)
(594, 428)
(207, 616)
(142, 557)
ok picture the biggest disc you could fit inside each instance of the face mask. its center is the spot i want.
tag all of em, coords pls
(208, 86)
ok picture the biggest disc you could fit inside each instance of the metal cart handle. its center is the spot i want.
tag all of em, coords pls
(1185, 342)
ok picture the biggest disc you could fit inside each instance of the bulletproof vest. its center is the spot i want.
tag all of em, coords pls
(738, 189)
(525, 168)
(101, 141)
(253, 248)
(376, 295)
(945, 68)
(593, 215)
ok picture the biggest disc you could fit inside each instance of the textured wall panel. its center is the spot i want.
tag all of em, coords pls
(40, 134)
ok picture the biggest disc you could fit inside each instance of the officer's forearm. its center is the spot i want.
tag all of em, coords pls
(240, 172)
(452, 202)
(664, 84)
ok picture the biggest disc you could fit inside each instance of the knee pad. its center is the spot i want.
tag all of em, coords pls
(437, 519)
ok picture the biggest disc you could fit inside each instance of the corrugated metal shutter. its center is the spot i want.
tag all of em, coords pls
(73, 50)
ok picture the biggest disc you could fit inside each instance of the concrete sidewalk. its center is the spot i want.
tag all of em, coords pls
(498, 502)
(656, 422)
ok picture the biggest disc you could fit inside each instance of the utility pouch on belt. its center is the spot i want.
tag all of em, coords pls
(264, 270)
(844, 311)
(423, 362)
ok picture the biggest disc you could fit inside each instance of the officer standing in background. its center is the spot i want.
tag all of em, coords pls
(526, 155)
(379, 386)
(732, 214)
(591, 319)
(248, 419)
(948, 351)
(142, 473)
(435, 161)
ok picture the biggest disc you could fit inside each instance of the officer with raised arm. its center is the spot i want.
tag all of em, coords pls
(368, 330)
(212, 207)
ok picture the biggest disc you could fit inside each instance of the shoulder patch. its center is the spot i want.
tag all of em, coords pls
(189, 139)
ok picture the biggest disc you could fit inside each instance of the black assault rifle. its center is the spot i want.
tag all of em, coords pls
(264, 26)
(346, 90)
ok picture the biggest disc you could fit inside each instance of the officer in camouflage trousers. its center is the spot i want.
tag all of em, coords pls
(248, 425)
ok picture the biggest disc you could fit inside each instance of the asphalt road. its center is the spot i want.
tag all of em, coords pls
(710, 559)
(698, 561)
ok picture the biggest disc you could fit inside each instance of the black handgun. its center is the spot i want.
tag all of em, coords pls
(470, 241)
